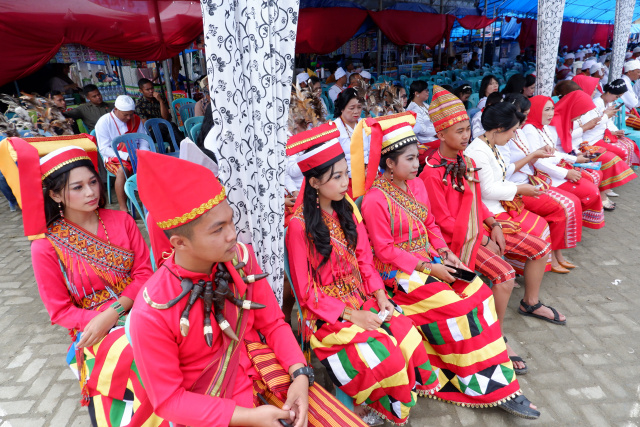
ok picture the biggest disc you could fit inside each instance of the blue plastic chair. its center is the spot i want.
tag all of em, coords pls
(130, 189)
(344, 398)
(474, 99)
(130, 141)
(109, 174)
(153, 125)
(190, 123)
(186, 112)
(195, 131)
(472, 112)
(177, 104)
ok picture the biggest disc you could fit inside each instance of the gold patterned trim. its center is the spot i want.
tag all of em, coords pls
(67, 162)
(171, 223)
(396, 145)
(295, 144)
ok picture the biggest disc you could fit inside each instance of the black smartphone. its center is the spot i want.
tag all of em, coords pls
(460, 274)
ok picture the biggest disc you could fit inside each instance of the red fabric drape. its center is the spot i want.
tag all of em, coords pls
(573, 34)
(471, 22)
(403, 27)
(148, 30)
(323, 30)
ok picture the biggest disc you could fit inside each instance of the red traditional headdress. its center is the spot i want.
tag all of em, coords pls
(324, 144)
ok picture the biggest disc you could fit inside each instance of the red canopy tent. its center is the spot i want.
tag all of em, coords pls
(573, 34)
(471, 22)
(404, 27)
(149, 30)
(323, 30)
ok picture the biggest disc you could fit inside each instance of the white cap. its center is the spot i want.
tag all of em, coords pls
(589, 45)
(125, 103)
(589, 50)
(581, 47)
(302, 77)
(636, 49)
(631, 65)
(595, 68)
(569, 56)
(587, 64)
(365, 74)
(340, 73)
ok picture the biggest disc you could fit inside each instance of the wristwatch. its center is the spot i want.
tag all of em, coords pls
(305, 370)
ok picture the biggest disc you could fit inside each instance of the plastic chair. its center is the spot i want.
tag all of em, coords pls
(195, 131)
(189, 124)
(130, 189)
(177, 104)
(187, 111)
(472, 112)
(474, 99)
(344, 398)
(153, 125)
(81, 127)
(130, 142)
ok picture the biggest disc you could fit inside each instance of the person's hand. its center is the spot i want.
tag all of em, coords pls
(573, 175)
(298, 401)
(497, 238)
(590, 124)
(452, 259)
(289, 201)
(366, 320)
(157, 95)
(491, 245)
(98, 328)
(528, 190)
(442, 272)
(581, 158)
(385, 304)
(543, 153)
(268, 416)
(611, 111)
(618, 133)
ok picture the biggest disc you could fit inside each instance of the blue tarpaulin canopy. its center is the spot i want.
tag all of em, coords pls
(602, 11)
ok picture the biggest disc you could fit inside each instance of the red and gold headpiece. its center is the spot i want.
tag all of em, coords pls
(446, 109)
(322, 143)
(174, 202)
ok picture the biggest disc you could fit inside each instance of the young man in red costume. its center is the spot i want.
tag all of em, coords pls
(196, 373)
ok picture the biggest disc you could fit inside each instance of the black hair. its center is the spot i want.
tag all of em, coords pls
(502, 115)
(318, 233)
(616, 87)
(343, 99)
(54, 93)
(529, 80)
(515, 84)
(352, 77)
(184, 230)
(416, 87)
(520, 101)
(493, 98)
(58, 184)
(484, 84)
(313, 80)
(143, 82)
(207, 125)
(394, 155)
(88, 89)
(565, 87)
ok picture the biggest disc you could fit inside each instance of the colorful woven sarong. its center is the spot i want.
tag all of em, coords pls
(616, 172)
(563, 212)
(386, 368)
(117, 397)
(530, 224)
(462, 335)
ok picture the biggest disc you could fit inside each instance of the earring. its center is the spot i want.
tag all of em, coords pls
(61, 211)
(391, 175)
(317, 198)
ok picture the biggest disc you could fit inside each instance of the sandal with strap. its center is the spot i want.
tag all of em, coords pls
(529, 311)
(517, 359)
(519, 407)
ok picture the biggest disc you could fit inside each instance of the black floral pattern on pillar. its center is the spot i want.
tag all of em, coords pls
(549, 25)
(250, 47)
(624, 15)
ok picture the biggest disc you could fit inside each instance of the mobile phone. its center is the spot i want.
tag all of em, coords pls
(538, 187)
(383, 314)
(464, 275)
(284, 423)
(619, 103)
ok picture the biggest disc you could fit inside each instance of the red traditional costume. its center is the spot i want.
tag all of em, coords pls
(385, 368)
(190, 380)
(458, 322)
(81, 274)
(556, 167)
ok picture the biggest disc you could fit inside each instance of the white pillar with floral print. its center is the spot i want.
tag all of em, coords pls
(621, 29)
(250, 48)
(549, 25)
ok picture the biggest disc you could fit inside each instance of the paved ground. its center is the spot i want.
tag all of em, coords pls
(584, 374)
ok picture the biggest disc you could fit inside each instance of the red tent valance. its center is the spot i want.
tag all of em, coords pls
(323, 30)
(34, 30)
(573, 34)
(471, 22)
(404, 27)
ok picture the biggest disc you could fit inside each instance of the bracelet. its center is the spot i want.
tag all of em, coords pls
(485, 245)
(427, 269)
(118, 308)
(496, 224)
(443, 252)
(346, 314)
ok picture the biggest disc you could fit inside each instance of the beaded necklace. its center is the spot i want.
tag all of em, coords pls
(498, 157)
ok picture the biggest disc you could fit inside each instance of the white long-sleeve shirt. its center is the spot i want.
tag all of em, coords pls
(494, 187)
(548, 137)
(424, 129)
(516, 149)
(293, 175)
(109, 127)
(630, 97)
(476, 126)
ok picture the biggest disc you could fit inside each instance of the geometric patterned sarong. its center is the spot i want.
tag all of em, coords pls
(462, 335)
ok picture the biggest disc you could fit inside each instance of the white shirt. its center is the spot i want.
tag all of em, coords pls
(494, 187)
(109, 127)
(517, 149)
(334, 91)
(482, 103)
(424, 129)
(345, 142)
(569, 75)
(609, 122)
(630, 97)
(548, 137)
(293, 175)
(476, 125)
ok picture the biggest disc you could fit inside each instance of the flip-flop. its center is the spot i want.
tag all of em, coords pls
(519, 359)
(519, 407)
(531, 308)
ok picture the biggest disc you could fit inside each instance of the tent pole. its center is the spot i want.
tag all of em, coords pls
(186, 72)
(483, 32)
(379, 44)
(124, 87)
(167, 83)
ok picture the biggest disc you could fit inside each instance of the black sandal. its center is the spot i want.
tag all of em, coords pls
(531, 308)
(517, 359)
(519, 407)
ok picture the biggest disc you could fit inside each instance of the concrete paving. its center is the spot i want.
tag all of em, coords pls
(584, 374)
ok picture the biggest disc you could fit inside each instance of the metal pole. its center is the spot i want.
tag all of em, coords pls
(124, 88)
(167, 83)
(186, 71)
(483, 32)
(379, 44)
